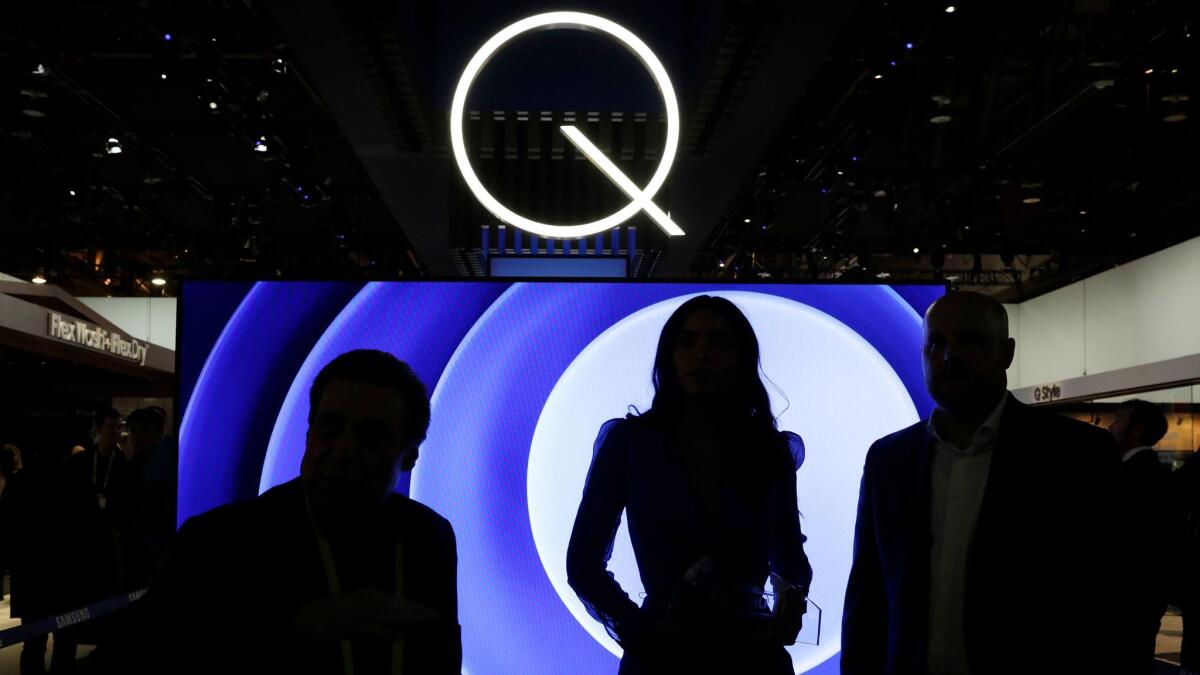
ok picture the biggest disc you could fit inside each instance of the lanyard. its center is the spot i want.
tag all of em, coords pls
(108, 472)
(335, 587)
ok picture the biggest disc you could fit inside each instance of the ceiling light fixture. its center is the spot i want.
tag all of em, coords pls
(158, 280)
(113, 146)
(950, 9)
(1031, 200)
(39, 278)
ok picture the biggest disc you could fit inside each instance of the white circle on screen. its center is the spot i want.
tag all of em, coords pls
(841, 395)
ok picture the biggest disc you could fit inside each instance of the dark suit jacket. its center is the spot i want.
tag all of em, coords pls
(1040, 575)
(239, 572)
(1150, 531)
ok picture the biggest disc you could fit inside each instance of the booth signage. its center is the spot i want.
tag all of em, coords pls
(640, 197)
(1047, 393)
(91, 336)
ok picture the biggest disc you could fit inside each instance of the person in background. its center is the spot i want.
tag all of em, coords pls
(145, 432)
(10, 466)
(101, 465)
(984, 542)
(1185, 489)
(50, 522)
(1148, 529)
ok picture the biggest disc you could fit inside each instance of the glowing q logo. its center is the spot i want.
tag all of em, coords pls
(640, 198)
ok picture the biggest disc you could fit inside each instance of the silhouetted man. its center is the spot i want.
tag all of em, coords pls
(332, 572)
(983, 542)
(1148, 533)
(102, 463)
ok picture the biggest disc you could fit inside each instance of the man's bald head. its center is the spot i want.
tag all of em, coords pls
(967, 351)
(975, 308)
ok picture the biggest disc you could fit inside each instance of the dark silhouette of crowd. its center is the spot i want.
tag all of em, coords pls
(75, 529)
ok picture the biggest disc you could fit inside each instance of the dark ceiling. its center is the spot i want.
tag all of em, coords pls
(1012, 146)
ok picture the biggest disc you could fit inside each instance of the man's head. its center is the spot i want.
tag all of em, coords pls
(107, 426)
(966, 352)
(1138, 423)
(146, 427)
(368, 413)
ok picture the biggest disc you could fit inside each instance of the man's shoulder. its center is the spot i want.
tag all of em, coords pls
(898, 443)
(243, 515)
(1046, 422)
(423, 520)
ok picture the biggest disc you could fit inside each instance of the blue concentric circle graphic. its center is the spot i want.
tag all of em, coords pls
(503, 360)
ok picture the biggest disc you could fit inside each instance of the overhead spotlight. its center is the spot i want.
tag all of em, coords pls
(158, 280)
(1082, 212)
(260, 145)
(1031, 200)
(39, 70)
(39, 278)
(1148, 71)
(917, 249)
(721, 263)
(71, 192)
(747, 220)
(908, 45)
(880, 193)
(1174, 71)
(1175, 117)
(279, 66)
(107, 281)
(167, 37)
(212, 105)
(941, 119)
(162, 76)
(950, 9)
(882, 275)
(878, 76)
(113, 146)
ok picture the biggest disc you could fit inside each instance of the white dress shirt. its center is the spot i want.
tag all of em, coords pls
(1133, 451)
(958, 478)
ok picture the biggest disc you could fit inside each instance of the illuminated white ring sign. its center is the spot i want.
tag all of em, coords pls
(640, 198)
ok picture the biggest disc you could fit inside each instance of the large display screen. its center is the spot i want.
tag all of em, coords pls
(522, 375)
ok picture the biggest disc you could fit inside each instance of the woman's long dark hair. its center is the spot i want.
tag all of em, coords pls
(748, 403)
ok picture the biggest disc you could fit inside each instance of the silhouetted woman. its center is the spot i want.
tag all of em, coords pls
(709, 489)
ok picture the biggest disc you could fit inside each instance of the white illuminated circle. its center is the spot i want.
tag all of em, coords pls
(841, 395)
(640, 198)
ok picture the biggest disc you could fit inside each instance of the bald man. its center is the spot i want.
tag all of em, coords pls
(983, 541)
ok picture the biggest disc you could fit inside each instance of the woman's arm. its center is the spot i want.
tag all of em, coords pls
(787, 558)
(604, 498)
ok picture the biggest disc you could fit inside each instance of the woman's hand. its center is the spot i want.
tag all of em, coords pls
(790, 606)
